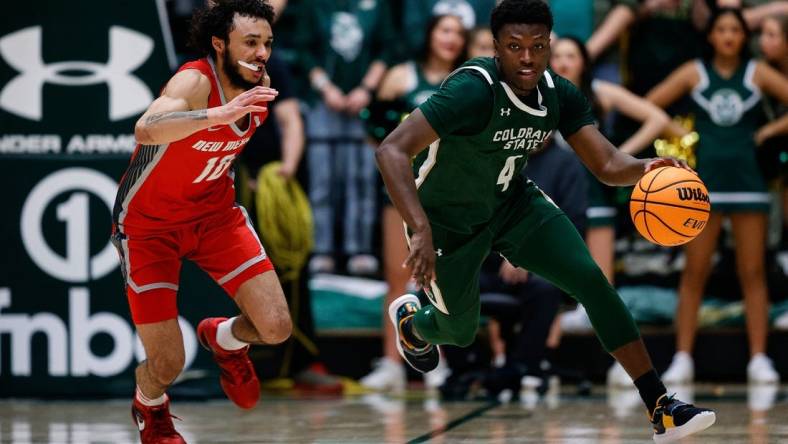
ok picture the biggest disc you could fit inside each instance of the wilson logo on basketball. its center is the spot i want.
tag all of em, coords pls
(696, 194)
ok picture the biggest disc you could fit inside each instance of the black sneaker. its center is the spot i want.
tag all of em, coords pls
(673, 419)
(422, 359)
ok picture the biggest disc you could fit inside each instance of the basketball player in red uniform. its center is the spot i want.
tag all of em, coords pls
(177, 200)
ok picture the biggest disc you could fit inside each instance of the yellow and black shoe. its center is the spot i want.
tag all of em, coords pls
(423, 356)
(673, 419)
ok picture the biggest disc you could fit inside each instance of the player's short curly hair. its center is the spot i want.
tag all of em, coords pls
(520, 11)
(216, 19)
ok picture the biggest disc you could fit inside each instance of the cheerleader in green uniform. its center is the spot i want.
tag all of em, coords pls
(726, 89)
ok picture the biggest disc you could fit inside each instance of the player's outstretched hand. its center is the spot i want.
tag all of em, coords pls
(659, 162)
(247, 102)
(422, 257)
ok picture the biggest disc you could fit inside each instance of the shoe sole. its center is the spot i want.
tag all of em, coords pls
(393, 307)
(701, 421)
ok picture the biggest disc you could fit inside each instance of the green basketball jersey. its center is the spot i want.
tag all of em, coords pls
(486, 132)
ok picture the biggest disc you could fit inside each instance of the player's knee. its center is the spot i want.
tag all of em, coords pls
(464, 337)
(165, 368)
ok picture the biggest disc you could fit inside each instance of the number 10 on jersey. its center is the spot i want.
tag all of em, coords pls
(215, 167)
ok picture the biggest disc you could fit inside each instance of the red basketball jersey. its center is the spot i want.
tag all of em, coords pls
(170, 185)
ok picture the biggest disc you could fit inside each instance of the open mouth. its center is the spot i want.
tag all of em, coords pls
(251, 66)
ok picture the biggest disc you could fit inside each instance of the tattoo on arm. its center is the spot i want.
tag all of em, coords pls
(200, 114)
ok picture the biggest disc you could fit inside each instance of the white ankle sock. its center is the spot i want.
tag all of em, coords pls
(144, 400)
(225, 338)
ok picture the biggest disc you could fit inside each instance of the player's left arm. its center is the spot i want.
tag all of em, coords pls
(774, 84)
(610, 165)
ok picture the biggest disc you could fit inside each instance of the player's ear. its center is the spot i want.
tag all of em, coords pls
(218, 45)
(495, 47)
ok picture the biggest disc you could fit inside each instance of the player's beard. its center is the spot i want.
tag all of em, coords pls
(233, 71)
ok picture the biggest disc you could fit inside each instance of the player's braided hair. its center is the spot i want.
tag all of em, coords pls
(520, 11)
(216, 19)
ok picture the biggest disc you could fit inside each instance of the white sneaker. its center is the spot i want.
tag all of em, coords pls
(576, 321)
(362, 264)
(321, 263)
(681, 370)
(781, 323)
(760, 370)
(387, 375)
(434, 379)
(618, 377)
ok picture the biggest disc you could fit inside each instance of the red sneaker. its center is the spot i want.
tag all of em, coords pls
(155, 424)
(238, 378)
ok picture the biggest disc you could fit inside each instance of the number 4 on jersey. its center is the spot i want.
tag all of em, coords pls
(507, 172)
(215, 168)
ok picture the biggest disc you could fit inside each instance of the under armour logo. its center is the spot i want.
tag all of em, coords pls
(439, 252)
(128, 95)
(505, 111)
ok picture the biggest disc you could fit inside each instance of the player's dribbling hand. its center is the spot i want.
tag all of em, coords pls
(421, 259)
(247, 102)
(659, 162)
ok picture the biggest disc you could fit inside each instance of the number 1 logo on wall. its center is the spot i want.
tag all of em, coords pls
(77, 265)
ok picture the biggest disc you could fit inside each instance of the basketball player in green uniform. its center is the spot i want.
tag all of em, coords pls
(468, 199)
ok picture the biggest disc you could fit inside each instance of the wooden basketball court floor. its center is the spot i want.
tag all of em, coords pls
(757, 415)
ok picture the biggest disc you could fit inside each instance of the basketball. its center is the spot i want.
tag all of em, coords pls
(670, 206)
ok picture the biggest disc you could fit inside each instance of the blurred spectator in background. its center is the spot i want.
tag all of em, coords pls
(726, 88)
(404, 88)
(754, 12)
(481, 43)
(570, 59)
(773, 157)
(282, 139)
(416, 14)
(345, 48)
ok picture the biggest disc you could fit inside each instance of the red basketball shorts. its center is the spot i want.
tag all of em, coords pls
(225, 246)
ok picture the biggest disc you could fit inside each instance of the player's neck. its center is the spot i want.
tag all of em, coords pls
(229, 89)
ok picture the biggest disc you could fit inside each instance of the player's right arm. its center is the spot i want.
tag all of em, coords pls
(181, 110)
(393, 158)
(463, 105)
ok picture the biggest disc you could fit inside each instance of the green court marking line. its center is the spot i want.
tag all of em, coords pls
(454, 423)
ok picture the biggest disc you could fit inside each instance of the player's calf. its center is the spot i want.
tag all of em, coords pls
(419, 354)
